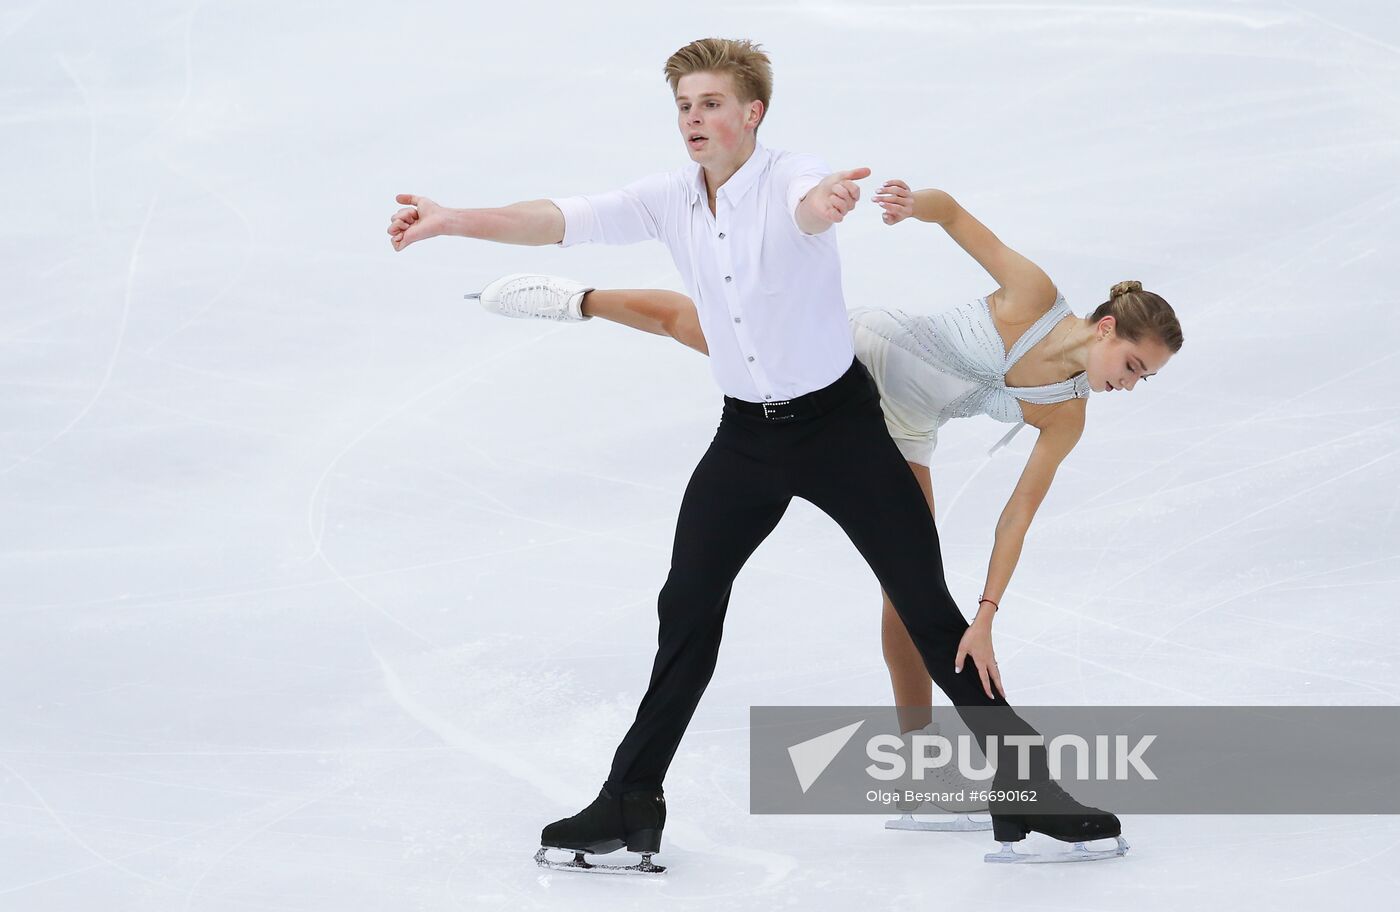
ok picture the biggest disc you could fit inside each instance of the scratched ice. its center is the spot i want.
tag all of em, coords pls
(323, 591)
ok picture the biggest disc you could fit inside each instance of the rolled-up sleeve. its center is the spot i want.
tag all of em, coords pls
(624, 216)
(801, 172)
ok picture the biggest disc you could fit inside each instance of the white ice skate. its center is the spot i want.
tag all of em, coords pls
(948, 815)
(941, 821)
(534, 296)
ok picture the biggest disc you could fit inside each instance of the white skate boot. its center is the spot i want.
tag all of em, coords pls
(528, 295)
(950, 807)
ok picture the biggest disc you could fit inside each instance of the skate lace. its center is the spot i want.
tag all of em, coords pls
(533, 297)
(951, 778)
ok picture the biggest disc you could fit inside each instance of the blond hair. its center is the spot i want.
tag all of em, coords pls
(745, 62)
(1139, 313)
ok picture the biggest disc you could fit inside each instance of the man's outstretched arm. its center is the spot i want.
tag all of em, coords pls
(828, 202)
(533, 223)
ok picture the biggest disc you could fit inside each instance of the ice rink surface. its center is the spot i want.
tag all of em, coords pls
(323, 590)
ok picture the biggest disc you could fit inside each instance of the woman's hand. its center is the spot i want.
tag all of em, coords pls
(897, 200)
(977, 642)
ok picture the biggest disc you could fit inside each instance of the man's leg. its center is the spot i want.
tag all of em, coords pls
(734, 499)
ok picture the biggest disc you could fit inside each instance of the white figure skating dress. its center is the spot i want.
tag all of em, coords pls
(933, 367)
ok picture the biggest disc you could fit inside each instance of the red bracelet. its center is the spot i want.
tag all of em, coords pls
(995, 606)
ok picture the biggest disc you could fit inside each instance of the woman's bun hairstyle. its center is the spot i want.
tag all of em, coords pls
(1139, 314)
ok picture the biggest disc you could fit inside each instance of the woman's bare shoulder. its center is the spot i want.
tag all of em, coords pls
(1059, 417)
(1025, 303)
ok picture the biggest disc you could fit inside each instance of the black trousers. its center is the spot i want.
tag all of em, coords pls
(843, 461)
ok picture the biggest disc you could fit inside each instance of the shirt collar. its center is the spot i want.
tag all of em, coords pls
(738, 184)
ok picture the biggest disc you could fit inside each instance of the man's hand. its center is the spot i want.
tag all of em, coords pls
(422, 219)
(828, 202)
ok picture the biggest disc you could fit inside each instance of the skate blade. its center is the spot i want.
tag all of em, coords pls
(472, 296)
(579, 863)
(959, 823)
(1080, 852)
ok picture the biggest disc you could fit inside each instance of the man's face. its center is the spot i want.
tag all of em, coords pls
(715, 126)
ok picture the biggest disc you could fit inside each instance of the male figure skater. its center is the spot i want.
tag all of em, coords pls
(749, 231)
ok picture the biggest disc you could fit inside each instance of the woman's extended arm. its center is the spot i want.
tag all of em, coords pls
(1055, 442)
(1026, 291)
(1056, 439)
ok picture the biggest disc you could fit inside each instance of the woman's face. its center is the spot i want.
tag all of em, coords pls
(1117, 364)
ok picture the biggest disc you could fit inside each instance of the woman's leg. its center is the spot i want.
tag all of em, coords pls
(913, 688)
(665, 313)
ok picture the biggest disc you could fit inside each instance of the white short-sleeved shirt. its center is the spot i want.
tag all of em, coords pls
(769, 296)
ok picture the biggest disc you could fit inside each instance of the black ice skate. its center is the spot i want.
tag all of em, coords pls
(633, 820)
(1059, 816)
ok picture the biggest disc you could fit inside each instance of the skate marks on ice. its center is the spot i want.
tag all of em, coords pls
(117, 346)
(1007, 854)
(1039, 17)
(318, 502)
(684, 837)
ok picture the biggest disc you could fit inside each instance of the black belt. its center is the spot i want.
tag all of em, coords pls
(850, 385)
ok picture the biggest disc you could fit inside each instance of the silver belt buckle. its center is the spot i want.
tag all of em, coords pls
(773, 411)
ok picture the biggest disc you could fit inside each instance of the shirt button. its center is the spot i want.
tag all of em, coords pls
(750, 357)
(737, 320)
(767, 396)
(721, 235)
(729, 278)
